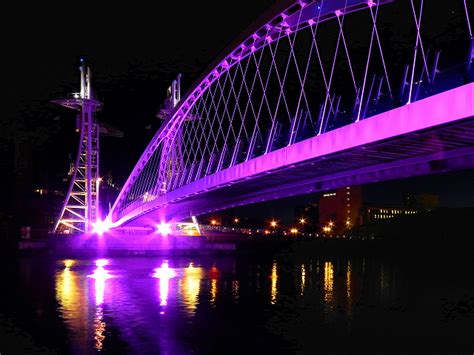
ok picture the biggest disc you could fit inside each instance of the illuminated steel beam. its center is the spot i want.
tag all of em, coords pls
(81, 204)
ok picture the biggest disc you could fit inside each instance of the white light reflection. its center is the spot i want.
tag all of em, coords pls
(164, 273)
(100, 275)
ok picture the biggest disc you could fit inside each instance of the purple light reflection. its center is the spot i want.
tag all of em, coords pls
(164, 273)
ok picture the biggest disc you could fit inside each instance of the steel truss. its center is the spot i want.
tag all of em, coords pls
(81, 205)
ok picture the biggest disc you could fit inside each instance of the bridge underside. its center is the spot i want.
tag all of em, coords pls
(433, 135)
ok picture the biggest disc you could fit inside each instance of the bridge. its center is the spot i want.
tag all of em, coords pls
(315, 95)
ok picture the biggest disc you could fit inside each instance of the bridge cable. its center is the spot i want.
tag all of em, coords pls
(368, 62)
(468, 20)
(330, 78)
(418, 25)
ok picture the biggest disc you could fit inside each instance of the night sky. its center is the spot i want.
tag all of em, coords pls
(135, 51)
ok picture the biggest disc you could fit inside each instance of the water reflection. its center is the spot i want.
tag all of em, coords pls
(213, 274)
(349, 290)
(71, 293)
(274, 284)
(303, 279)
(164, 273)
(99, 328)
(235, 291)
(189, 287)
(328, 281)
(100, 275)
(97, 310)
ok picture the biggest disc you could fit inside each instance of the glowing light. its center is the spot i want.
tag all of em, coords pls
(331, 224)
(236, 220)
(100, 227)
(293, 230)
(302, 220)
(273, 224)
(69, 263)
(164, 273)
(370, 3)
(213, 222)
(101, 262)
(163, 228)
(266, 231)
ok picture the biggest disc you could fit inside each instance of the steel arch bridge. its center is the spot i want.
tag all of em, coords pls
(315, 95)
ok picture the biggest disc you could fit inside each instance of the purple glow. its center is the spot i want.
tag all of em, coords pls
(163, 228)
(100, 275)
(100, 227)
(371, 3)
(164, 274)
(338, 13)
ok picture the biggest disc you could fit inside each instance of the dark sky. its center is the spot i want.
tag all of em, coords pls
(135, 49)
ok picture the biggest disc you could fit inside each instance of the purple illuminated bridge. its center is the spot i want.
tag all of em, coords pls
(315, 95)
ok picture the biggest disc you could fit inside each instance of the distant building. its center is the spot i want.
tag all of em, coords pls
(377, 213)
(340, 209)
(420, 201)
(345, 208)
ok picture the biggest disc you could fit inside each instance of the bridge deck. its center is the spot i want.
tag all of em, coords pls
(431, 135)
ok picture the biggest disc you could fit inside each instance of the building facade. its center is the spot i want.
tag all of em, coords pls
(340, 210)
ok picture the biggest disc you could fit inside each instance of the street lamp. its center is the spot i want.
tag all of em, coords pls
(236, 220)
(273, 224)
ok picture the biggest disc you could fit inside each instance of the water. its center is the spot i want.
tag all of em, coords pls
(235, 305)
